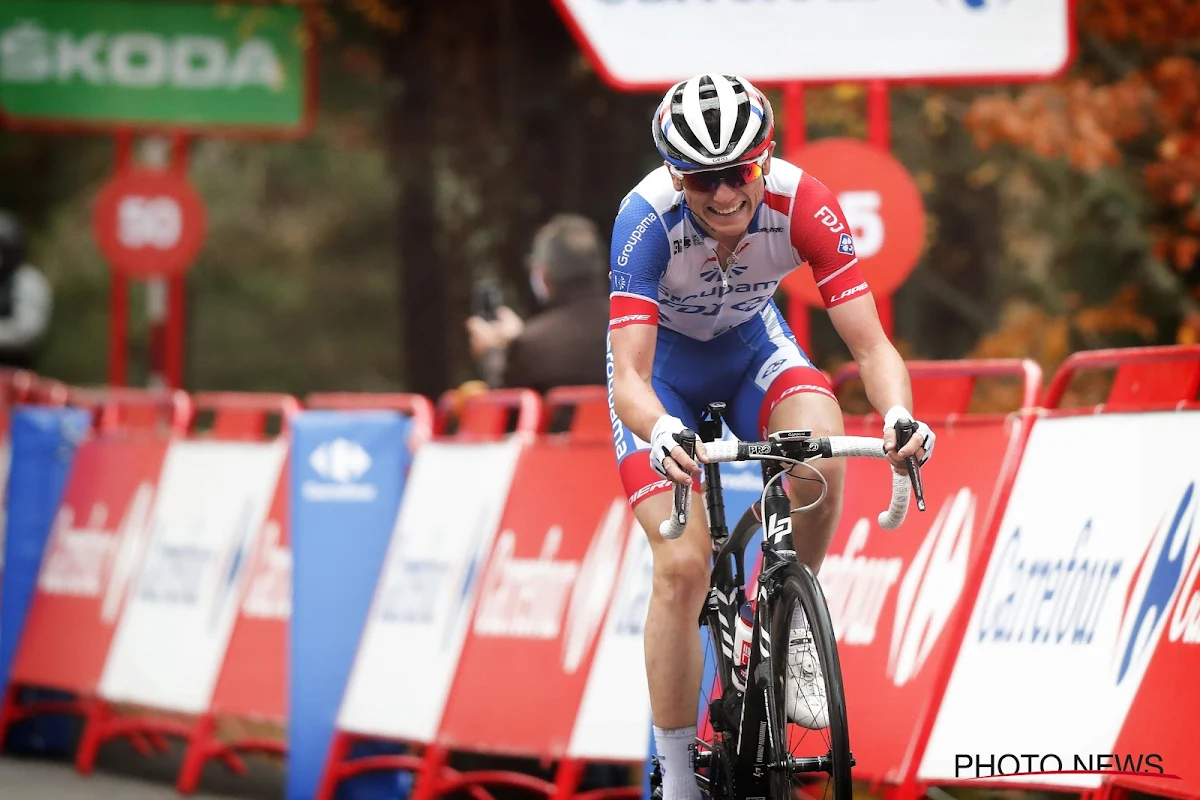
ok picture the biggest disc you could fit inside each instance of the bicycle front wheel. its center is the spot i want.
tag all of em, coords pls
(809, 751)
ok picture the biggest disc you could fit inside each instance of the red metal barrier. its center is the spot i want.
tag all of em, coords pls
(16, 385)
(242, 416)
(49, 392)
(586, 409)
(68, 631)
(229, 416)
(891, 693)
(416, 406)
(126, 409)
(488, 415)
(114, 411)
(1146, 378)
(478, 719)
(944, 389)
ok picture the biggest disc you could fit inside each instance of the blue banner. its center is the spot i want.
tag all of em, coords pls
(44, 441)
(348, 470)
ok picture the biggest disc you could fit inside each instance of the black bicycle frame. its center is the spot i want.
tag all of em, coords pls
(746, 717)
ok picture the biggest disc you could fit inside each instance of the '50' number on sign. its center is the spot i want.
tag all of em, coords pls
(149, 222)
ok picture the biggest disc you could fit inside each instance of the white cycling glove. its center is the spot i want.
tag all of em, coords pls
(897, 413)
(663, 440)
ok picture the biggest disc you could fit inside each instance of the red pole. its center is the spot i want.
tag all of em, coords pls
(879, 133)
(118, 288)
(795, 132)
(118, 330)
(176, 287)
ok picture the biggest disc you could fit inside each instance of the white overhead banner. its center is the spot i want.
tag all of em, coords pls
(654, 43)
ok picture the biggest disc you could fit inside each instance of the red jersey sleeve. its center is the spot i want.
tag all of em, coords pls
(822, 237)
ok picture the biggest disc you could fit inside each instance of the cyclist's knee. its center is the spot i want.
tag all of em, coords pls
(681, 573)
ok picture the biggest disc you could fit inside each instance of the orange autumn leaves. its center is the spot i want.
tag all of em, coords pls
(1132, 98)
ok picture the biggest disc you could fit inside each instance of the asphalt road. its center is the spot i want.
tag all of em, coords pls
(122, 774)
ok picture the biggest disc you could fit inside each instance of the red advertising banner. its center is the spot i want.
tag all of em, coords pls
(1167, 594)
(892, 594)
(92, 557)
(543, 598)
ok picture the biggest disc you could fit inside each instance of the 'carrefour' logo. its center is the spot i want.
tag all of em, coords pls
(340, 460)
(1154, 585)
(930, 589)
(340, 464)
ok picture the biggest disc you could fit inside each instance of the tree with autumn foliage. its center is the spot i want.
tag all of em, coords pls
(1062, 214)
(1127, 110)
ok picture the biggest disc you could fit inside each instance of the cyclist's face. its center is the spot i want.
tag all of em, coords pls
(728, 208)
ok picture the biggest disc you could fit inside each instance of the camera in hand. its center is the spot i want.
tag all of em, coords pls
(486, 298)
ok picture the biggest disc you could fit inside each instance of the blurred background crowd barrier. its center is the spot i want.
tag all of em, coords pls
(385, 585)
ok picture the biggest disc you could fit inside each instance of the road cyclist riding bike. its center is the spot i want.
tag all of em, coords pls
(699, 247)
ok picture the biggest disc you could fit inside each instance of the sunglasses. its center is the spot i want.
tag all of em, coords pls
(734, 177)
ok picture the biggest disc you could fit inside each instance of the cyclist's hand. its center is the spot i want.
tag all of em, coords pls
(667, 456)
(920, 445)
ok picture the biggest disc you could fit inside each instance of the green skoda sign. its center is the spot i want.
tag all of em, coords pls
(144, 64)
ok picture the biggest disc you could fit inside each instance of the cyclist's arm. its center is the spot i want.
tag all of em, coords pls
(633, 395)
(639, 257)
(884, 374)
(822, 237)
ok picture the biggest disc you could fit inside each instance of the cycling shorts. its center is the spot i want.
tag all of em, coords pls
(751, 368)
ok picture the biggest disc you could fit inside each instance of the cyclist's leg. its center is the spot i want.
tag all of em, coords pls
(674, 660)
(784, 391)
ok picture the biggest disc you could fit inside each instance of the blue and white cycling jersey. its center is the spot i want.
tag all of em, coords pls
(720, 335)
(664, 269)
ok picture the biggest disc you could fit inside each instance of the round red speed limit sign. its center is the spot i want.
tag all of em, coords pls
(149, 223)
(882, 207)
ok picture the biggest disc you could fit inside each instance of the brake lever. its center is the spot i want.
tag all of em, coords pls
(683, 494)
(904, 431)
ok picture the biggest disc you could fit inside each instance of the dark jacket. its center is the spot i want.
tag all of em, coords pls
(565, 345)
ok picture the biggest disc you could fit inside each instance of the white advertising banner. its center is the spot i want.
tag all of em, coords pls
(170, 641)
(614, 716)
(410, 648)
(643, 43)
(1092, 555)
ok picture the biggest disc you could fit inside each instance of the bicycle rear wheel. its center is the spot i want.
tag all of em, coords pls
(830, 752)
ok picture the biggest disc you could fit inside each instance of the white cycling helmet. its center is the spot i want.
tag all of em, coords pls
(710, 120)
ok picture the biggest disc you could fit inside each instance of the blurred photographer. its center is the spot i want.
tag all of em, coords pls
(25, 299)
(564, 344)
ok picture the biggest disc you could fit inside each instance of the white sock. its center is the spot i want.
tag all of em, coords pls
(679, 776)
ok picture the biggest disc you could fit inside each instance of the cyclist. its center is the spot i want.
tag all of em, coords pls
(699, 247)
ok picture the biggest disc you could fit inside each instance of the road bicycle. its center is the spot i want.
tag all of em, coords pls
(745, 749)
